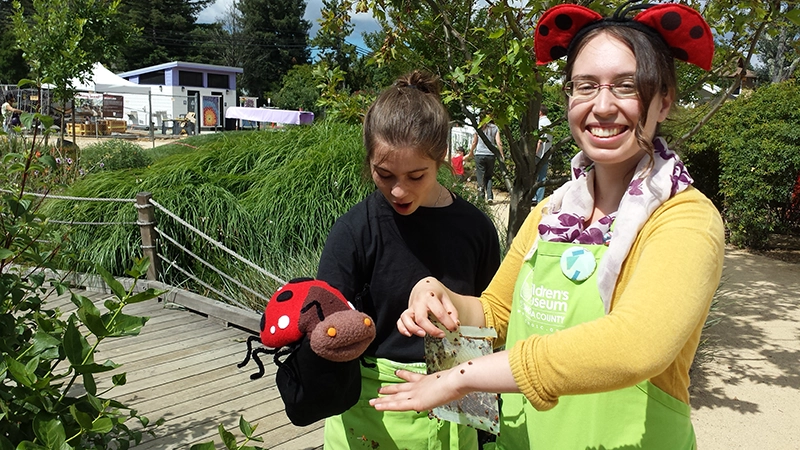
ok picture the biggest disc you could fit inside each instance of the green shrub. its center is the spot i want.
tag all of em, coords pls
(48, 385)
(756, 141)
(114, 154)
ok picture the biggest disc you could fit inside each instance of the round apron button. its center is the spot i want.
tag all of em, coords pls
(577, 263)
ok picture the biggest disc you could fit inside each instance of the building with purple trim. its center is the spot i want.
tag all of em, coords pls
(178, 88)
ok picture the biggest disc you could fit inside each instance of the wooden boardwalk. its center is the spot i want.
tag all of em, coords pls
(182, 367)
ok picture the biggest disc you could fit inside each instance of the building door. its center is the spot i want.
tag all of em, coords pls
(193, 105)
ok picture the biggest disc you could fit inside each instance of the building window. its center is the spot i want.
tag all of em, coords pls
(188, 78)
(218, 81)
(156, 77)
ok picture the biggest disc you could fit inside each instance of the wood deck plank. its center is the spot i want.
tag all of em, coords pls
(182, 367)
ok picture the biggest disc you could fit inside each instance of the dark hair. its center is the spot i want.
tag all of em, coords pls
(9, 96)
(543, 109)
(409, 114)
(655, 68)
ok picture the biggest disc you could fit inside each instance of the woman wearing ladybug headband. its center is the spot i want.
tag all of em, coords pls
(602, 297)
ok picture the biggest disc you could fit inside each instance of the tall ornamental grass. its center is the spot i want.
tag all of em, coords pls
(270, 196)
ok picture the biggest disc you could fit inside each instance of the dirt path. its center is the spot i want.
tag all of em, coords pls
(746, 378)
(746, 384)
(143, 141)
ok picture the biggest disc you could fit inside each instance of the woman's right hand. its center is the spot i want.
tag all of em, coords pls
(429, 296)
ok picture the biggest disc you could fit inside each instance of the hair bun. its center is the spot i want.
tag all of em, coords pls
(421, 81)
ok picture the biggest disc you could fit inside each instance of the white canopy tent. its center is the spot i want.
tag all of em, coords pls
(105, 81)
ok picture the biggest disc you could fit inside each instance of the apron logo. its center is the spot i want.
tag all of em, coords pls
(544, 308)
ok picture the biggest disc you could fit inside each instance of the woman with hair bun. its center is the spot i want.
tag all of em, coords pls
(602, 297)
(410, 228)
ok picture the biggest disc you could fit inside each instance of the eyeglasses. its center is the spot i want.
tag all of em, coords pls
(587, 90)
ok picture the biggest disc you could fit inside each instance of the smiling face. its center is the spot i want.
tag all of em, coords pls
(604, 127)
(405, 177)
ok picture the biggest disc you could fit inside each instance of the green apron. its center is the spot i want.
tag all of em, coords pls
(637, 417)
(363, 427)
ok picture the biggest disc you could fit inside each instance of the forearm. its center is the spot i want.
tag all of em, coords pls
(490, 373)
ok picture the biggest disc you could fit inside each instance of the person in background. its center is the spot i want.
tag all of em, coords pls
(602, 297)
(411, 227)
(457, 161)
(8, 112)
(485, 159)
(541, 148)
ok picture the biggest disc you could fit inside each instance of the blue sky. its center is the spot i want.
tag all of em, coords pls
(363, 22)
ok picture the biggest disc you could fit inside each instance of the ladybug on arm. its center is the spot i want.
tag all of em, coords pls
(313, 308)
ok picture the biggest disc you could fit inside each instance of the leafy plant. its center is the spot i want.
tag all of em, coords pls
(756, 143)
(43, 354)
(229, 439)
(113, 154)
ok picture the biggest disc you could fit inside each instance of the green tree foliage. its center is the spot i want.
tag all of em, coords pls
(751, 150)
(166, 31)
(279, 41)
(223, 42)
(12, 65)
(779, 49)
(331, 40)
(485, 55)
(62, 39)
(298, 91)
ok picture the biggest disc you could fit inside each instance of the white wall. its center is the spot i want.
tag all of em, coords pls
(171, 101)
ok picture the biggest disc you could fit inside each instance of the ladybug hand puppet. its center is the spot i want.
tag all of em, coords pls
(310, 309)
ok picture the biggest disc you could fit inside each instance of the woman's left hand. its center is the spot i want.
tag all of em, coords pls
(420, 393)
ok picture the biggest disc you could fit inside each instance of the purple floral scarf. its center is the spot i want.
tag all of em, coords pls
(564, 215)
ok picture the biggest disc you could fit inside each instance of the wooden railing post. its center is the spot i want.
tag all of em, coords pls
(147, 227)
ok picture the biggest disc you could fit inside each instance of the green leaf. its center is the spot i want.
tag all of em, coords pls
(83, 419)
(227, 437)
(95, 368)
(48, 161)
(5, 444)
(49, 430)
(5, 253)
(497, 33)
(43, 341)
(46, 120)
(28, 445)
(90, 316)
(111, 305)
(794, 16)
(95, 403)
(125, 325)
(75, 345)
(102, 425)
(89, 384)
(61, 288)
(246, 427)
(27, 120)
(20, 372)
(119, 379)
(203, 446)
(148, 294)
(116, 286)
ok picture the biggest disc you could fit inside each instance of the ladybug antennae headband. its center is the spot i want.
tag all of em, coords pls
(682, 28)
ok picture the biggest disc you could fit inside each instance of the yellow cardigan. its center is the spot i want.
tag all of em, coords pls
(658, 309)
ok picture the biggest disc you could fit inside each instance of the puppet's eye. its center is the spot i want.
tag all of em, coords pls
(284, 296)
